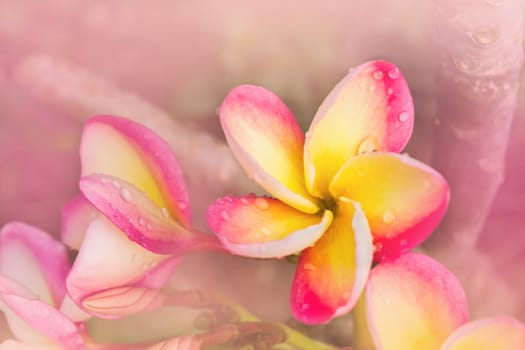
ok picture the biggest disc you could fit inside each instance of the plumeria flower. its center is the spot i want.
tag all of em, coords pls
(415, 303)
(130, 175)
(333, 190)
(33, 269)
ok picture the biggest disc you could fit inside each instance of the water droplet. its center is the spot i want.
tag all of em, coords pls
(115, 184)
(225, 215)
(372, 88)
(165, 212)
(378, 75)
(228, 199)
(305, 307)
(362, 84)
(261, 203)
(220, 201)
(393, 73)
(466, 65)
(182, 205)
(125, 194)
(266, 231)
(141, 222)
(367, 145)
(104, 180)
(309, 267)
(390, 91)
(389, 216)
(149, 226)
(486, 37)
(403, 116)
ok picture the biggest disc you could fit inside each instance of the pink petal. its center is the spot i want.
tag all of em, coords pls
(331, 275)
(264, 227)
(403, 199)
(108, 264)
(140, 219)
(35, 260)
(16, 345)
(31, 319)
(76, 217)
(122, 148)
(369, 110)
(268, 142)
(496, 333)
(413, 303)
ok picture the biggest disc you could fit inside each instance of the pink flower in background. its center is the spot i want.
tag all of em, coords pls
(415, 303)
(33, 269)
(126, 255)
(335, 189)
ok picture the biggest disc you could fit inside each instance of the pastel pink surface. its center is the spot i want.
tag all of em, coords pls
(371, 109)
(413, 303)
(264, 227)
(97, 156)
(268, 142)
(113, 276)
(35, 260)
(140, 219)
(76, 217)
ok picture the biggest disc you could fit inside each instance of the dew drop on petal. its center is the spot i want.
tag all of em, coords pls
(115, 184)
(403, 116)
(393, 73)
(309, 267)
(165, 212)
(266, 231)
(182, 205)
(372, 88)
(390, 91)
(378, 75)
(225, 215)
(367, 145)
(141, 222)
(228, 199)
(125, 194)
(261, 203)
(149, 226)
(388, 216)
(245, 201)
(486, 37)
(104, 180)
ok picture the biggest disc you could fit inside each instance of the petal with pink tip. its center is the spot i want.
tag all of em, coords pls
(369, 110)
(403, 199)
(268, 142)
(108, 263)
(413, 303)
(33, 320)
(76, 217)
(122, 148)
(496, 333)
(140, 219)
(331, 275)
(35, 260)
(264, 227)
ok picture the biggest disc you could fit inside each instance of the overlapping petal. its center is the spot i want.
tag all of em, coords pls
(497, 333)
(331, 274)
(403, 199)
(35, 260)
(140, 219)
(113, 276)
(264, 227)
(76, 217)
(369, 110)
(268, 142)
(122, 148)
(413, 303)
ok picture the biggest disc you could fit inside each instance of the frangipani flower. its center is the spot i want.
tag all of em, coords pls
(415, 303)
(331, 192)
(131, 176)
(33, 269)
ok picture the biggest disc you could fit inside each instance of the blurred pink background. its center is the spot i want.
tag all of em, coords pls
(168, 64)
